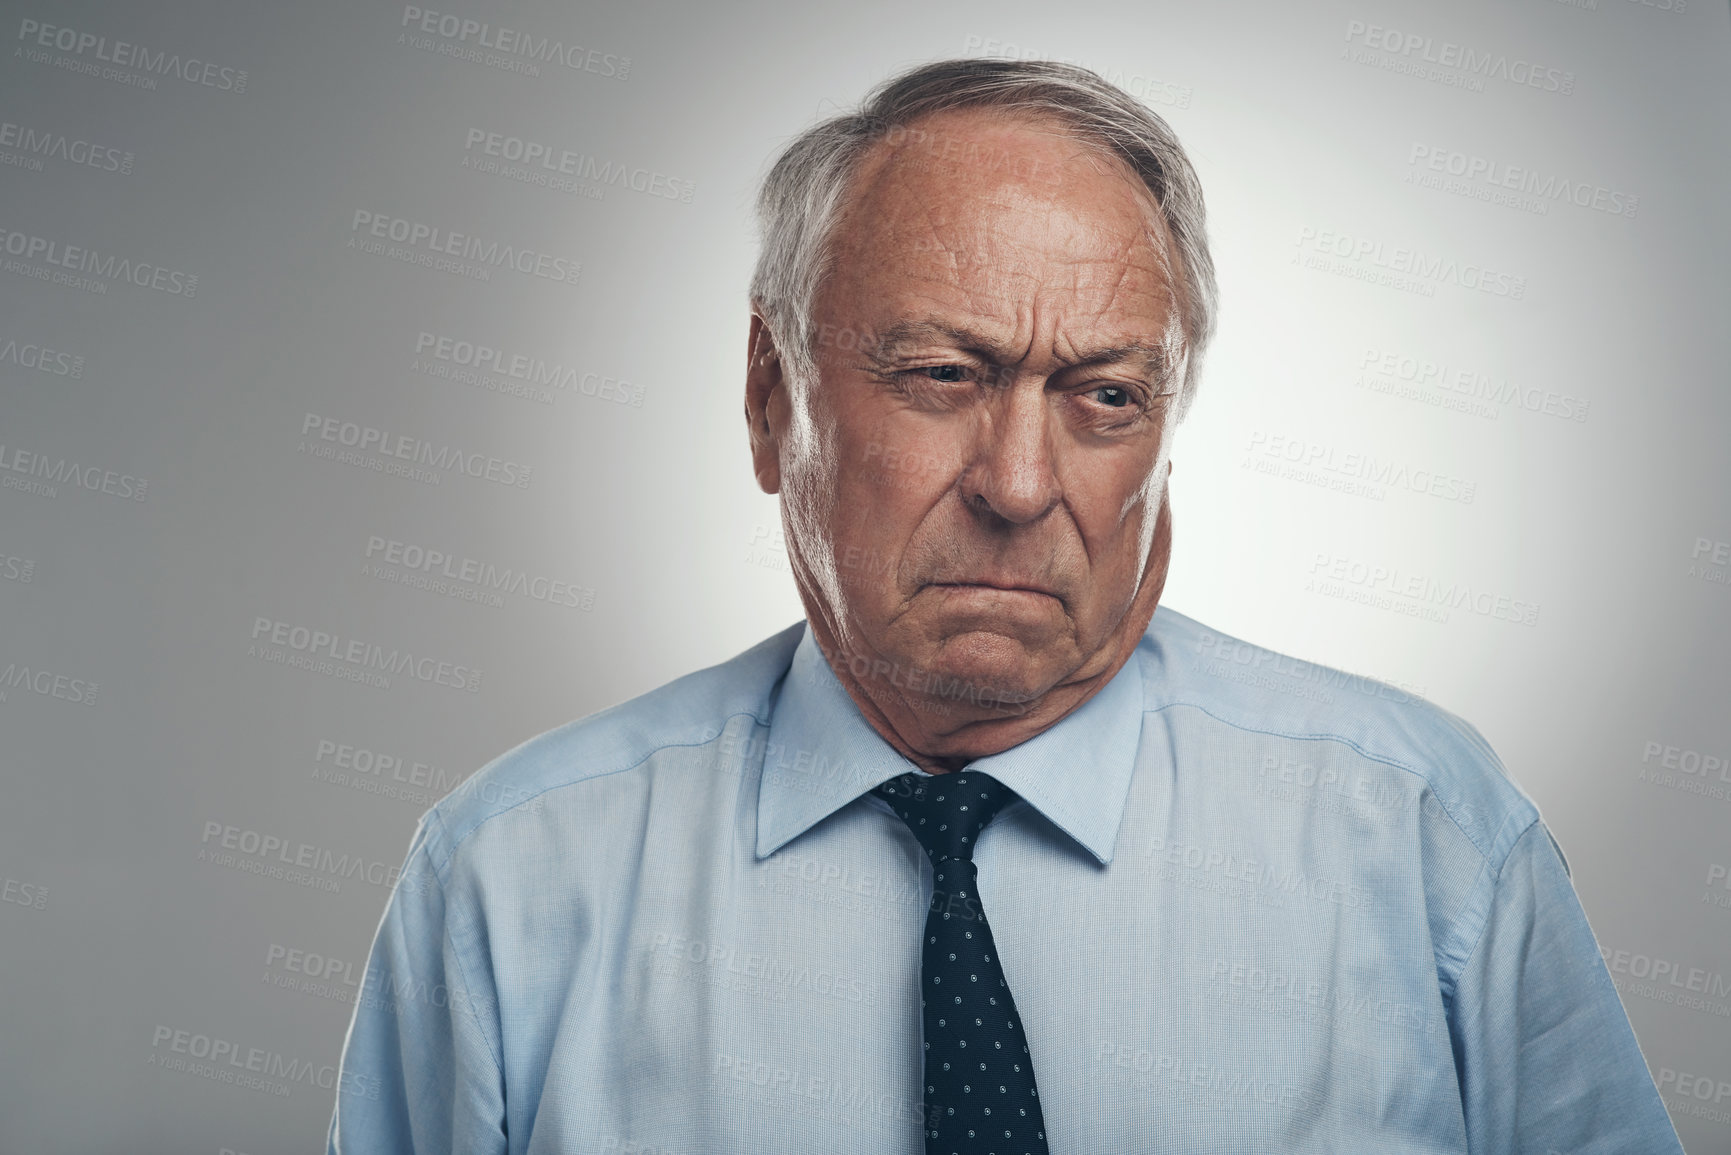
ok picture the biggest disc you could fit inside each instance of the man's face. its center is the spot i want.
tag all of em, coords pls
(972, 484)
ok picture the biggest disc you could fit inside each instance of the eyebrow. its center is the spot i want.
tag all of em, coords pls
(895, 338)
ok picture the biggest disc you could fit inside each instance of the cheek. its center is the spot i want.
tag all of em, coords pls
(1116, 510)
(883, 496)
(896, 468)
(812, 460)
(1143, 501)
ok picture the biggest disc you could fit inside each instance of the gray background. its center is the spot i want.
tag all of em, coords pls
(126, 920)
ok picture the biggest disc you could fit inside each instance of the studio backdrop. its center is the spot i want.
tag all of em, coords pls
(371, 401)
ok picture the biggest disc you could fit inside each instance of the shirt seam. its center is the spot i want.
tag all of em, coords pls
(1447, 979)
(498, 1061)
(1348, 742)
(1484, 925)
(647, 755)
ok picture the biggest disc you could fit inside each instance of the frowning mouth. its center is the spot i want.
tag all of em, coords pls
(1006, 587)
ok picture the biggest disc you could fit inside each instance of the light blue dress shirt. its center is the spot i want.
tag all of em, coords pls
(1246, 904)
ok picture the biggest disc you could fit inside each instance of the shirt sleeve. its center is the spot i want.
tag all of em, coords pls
(1546, 1059)
(419, 1072)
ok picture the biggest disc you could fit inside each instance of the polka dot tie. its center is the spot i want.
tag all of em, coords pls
(980, 1095)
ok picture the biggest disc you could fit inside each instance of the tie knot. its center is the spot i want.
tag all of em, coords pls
(948, 811)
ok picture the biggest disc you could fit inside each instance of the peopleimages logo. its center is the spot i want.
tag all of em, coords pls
(1467, 390)
(273, 848)
(1357, 473)
(325, 651)
(255, 1068)
(539, 160)
(465, 38)
(455, 575)
(464, 361)
(1446, 61)
(86, 268)
(1517, 186)
(33, 145)
(1417, 595)
(406, 453)
(1397, 266)
(23, 894)
(1682, 1087)
(429, 245)
(28, 355)
(16, 569)
(1223, 653)
(125, 54)
(43, 475)
(47, 683)
(1259, 874)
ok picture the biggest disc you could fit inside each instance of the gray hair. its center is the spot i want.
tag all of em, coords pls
(797, 205)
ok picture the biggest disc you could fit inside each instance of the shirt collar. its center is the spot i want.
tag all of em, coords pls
(821, 754)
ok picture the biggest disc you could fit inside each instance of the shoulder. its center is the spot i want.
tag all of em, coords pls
(688, 711)
(1249, 688)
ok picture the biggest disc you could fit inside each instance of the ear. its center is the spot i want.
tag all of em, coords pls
(765, 403)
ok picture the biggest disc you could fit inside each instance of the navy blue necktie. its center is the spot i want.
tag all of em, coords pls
(980, 1095)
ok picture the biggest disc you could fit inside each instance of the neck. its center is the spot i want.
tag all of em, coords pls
(941, 735)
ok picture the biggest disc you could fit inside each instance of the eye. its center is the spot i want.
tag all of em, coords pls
(949, 374)
(1114, 395)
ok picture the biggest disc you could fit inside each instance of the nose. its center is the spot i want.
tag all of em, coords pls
(1011, 477)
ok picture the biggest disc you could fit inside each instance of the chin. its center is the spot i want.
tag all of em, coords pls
(1005, 667)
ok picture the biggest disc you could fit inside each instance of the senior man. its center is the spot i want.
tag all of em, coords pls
(761, 908)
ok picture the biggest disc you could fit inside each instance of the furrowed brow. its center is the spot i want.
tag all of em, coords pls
(899, 337)
(1153, 360)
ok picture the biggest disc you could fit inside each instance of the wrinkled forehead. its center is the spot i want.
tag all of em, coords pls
(976, 196)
